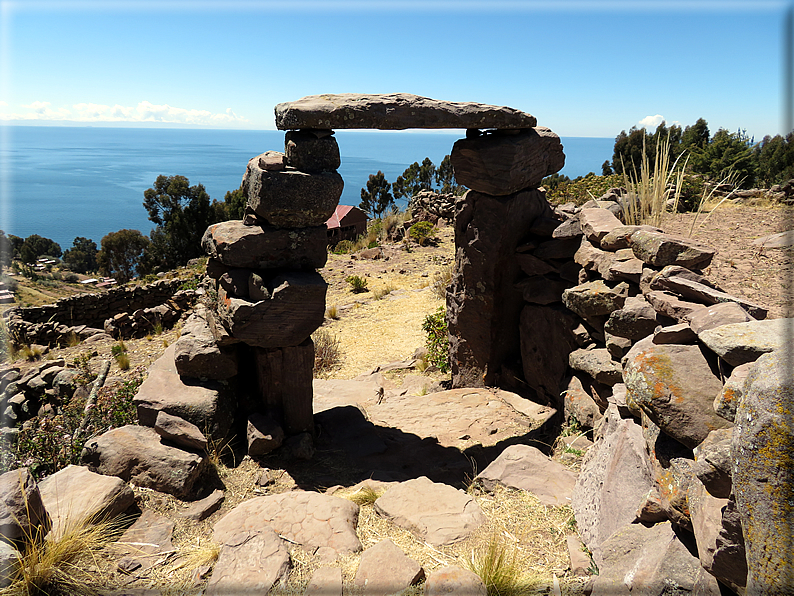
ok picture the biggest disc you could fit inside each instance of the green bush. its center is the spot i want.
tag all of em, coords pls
(422, 232)
(357, 284)
(343, 247)
(437, 342)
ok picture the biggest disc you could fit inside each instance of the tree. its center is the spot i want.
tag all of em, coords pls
(6, 249)
(628, 150)
(414, 179)
(376, 198)
(235, 203)
(35, 246)
(774, 157)
(725, 153)
(121, 254)
(81, 258)
(445, 178)
(182, 214)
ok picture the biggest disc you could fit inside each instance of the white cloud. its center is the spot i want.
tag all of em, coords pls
(3, 104)
(651, 121)
(144, 112)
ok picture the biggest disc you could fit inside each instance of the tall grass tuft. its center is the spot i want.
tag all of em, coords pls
(707, 197)
(327, 353)
(500, 570)
(649, 191)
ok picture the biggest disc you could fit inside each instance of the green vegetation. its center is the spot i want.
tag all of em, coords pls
(81, 258)
(437, 342)
(119, 352)
(357, 284)
(422, 232)
(35, 246)
(376, 198)
(121, 254)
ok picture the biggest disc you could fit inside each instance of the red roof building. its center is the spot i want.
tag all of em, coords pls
(347, 223)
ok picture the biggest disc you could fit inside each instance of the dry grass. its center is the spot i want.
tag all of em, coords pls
(327, 354)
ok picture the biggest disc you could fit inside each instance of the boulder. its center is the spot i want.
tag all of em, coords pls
(713, 462)
(763, 470)
(658, 250)
(23, 514)
(207, 405)
(326, 581)
(579, 405)
(385, 569)
(201, 510)
(235, 244)
(598, 364)
(144, 543)
(307, 518)
(620, 236)
(263, 435)
(250, 562)
(570, 228)
(296, 308)
(483, 304)
(394, 111)
(136, 454)
(531, 265)
(718, 533)
(657, 279)
(718, 315)
(308, 152)
(597, 223)
(675, 386)
(437, 513)
(501, 164)
(672, 306)
(291, 198)
(693, 290)
(591, 257)
(739, 343)
(616, 346)
(594, 298)
(9, 563)
(634, 320)
(527, 468)
(645, 560)
(629, 269)
(547, 338)
(725, 403)
(542, 290)
(680, 333)
(75, 495)
(454, 581)
(557, 248)
(197, 354)
(614, 481)
(179, 431)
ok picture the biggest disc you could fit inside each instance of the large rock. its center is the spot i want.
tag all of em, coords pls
(620, 237)
(22, 514)
(385, 569)
(290, 198)
(179, 431)
(454, 581)
(713, 465)
(207, 405)
(501, 164)
(641, 560)
(542, 290)
(483, 304)
(579, 405)
(693, 290)
(144, 543)
(675, 386)
(394, 111)
(136, 454)
(250, 562)
(75, 495)
(597, 223)
(307, 518)
(635, 320)
(614, 481)
(718, 315)
(763, 472)
(527, 468)
(546, 340)
(598, 364)
(595, 298)
(235, 244)
(312, 152)
(197, 353)
(659, 250)
(672, 306)
(437, 513)
(726, 402)
(718, 532)
(295, 308)
(739, 343)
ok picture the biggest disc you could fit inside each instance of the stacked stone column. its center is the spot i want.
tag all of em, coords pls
(503, 169)
(269, 295)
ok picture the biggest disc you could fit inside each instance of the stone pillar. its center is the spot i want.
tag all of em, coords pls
(503, 169)
(270, 296)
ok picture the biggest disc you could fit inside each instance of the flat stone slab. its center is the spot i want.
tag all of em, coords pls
(249, 563)
(527, 468)
(307, 518)
(437, 513)
(394, 111)
(75, 494)
(454, 580)
(144, 542)
(385, 569)
(738, 343)
(779, 240)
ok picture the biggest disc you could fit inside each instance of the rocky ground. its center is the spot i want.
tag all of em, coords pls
(383, 326)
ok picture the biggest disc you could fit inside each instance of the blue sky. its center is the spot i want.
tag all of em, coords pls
(582, 68)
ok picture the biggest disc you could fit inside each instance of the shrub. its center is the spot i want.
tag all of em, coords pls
(343, 247)
(332, 312)
(71, 278)
(422, 232)
(437, 342)
(381, 293)
(327, 354)
(441, 280)
(499, 570)
(357, 284)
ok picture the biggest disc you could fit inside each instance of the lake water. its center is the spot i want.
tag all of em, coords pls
(64, 182)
